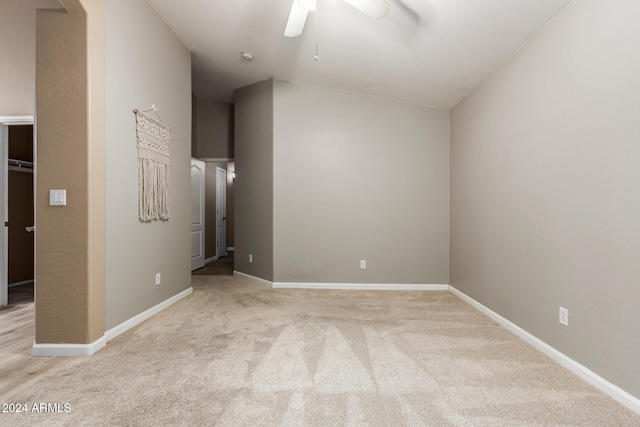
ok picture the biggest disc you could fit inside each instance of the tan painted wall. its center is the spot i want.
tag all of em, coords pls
(545, 201)
(18, 50)
(62, 238)
(145, 64)
(254, 179)
(70, 155)
(359, 178)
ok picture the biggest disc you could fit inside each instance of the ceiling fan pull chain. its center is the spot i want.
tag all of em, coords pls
(316, 57)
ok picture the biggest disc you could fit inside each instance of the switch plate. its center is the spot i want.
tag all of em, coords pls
(250, 258)
(563, 316)
(158, 278)
(57, 197)
(363, 264)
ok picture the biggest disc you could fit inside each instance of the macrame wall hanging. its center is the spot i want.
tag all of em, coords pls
(153, 167)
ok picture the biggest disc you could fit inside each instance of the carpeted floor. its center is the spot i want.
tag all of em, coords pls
(236, 353)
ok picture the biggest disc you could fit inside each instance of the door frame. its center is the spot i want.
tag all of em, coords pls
(196, 263)
(5, 122)
(221, 174)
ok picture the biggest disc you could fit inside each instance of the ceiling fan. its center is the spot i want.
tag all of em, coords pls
(375, 9)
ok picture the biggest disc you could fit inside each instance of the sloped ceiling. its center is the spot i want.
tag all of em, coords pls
(428, 52)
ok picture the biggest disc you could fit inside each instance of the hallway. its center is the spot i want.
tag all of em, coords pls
(220, 267)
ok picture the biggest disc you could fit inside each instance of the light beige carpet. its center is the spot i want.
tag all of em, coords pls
(237, 353)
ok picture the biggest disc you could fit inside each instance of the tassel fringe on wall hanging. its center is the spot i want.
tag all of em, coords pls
(153, 168)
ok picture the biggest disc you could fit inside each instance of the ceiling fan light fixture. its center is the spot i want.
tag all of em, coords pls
(375, 9)
(295, 23)
(307, 4)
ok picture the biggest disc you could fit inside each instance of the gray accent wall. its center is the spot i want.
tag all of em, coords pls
(545, 193)
(254, 179)
(146, 64)
(213, 131)
(359, 178)
(326, 178)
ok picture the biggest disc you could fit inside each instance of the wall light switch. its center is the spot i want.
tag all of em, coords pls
(363, 264)
(57, 197)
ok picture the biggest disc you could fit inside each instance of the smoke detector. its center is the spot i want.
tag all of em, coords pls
(247, 56)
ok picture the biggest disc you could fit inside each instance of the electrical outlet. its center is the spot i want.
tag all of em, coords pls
(564, 316)
(363, 264)
(158, 279)
(250, 258)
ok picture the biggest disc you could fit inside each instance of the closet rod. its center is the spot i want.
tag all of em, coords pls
(21, 163)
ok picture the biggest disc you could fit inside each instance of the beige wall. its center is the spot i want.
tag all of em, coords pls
(359, 178)
(145, 64)
(18, 53)
(545, 201)
(254, 179)
(213, 129)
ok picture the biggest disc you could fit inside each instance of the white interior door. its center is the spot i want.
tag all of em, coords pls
(221, 212)
(197, 214)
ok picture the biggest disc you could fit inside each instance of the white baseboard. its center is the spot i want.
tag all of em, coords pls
(353, 286)
(136, 320)
(46, 350)
(362, 286)
(589, 376)
(253, 278)
(89, 349)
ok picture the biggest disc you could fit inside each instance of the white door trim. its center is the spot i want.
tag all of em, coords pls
(197, 217)
(5, 121)
(221, 212)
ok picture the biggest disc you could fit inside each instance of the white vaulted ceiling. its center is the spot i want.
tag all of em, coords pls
(428, 52)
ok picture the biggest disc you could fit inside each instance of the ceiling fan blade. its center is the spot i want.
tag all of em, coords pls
(375, 9)
(295, 24)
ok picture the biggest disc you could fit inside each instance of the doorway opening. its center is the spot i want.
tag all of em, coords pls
(17, 209)
(219, 218)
